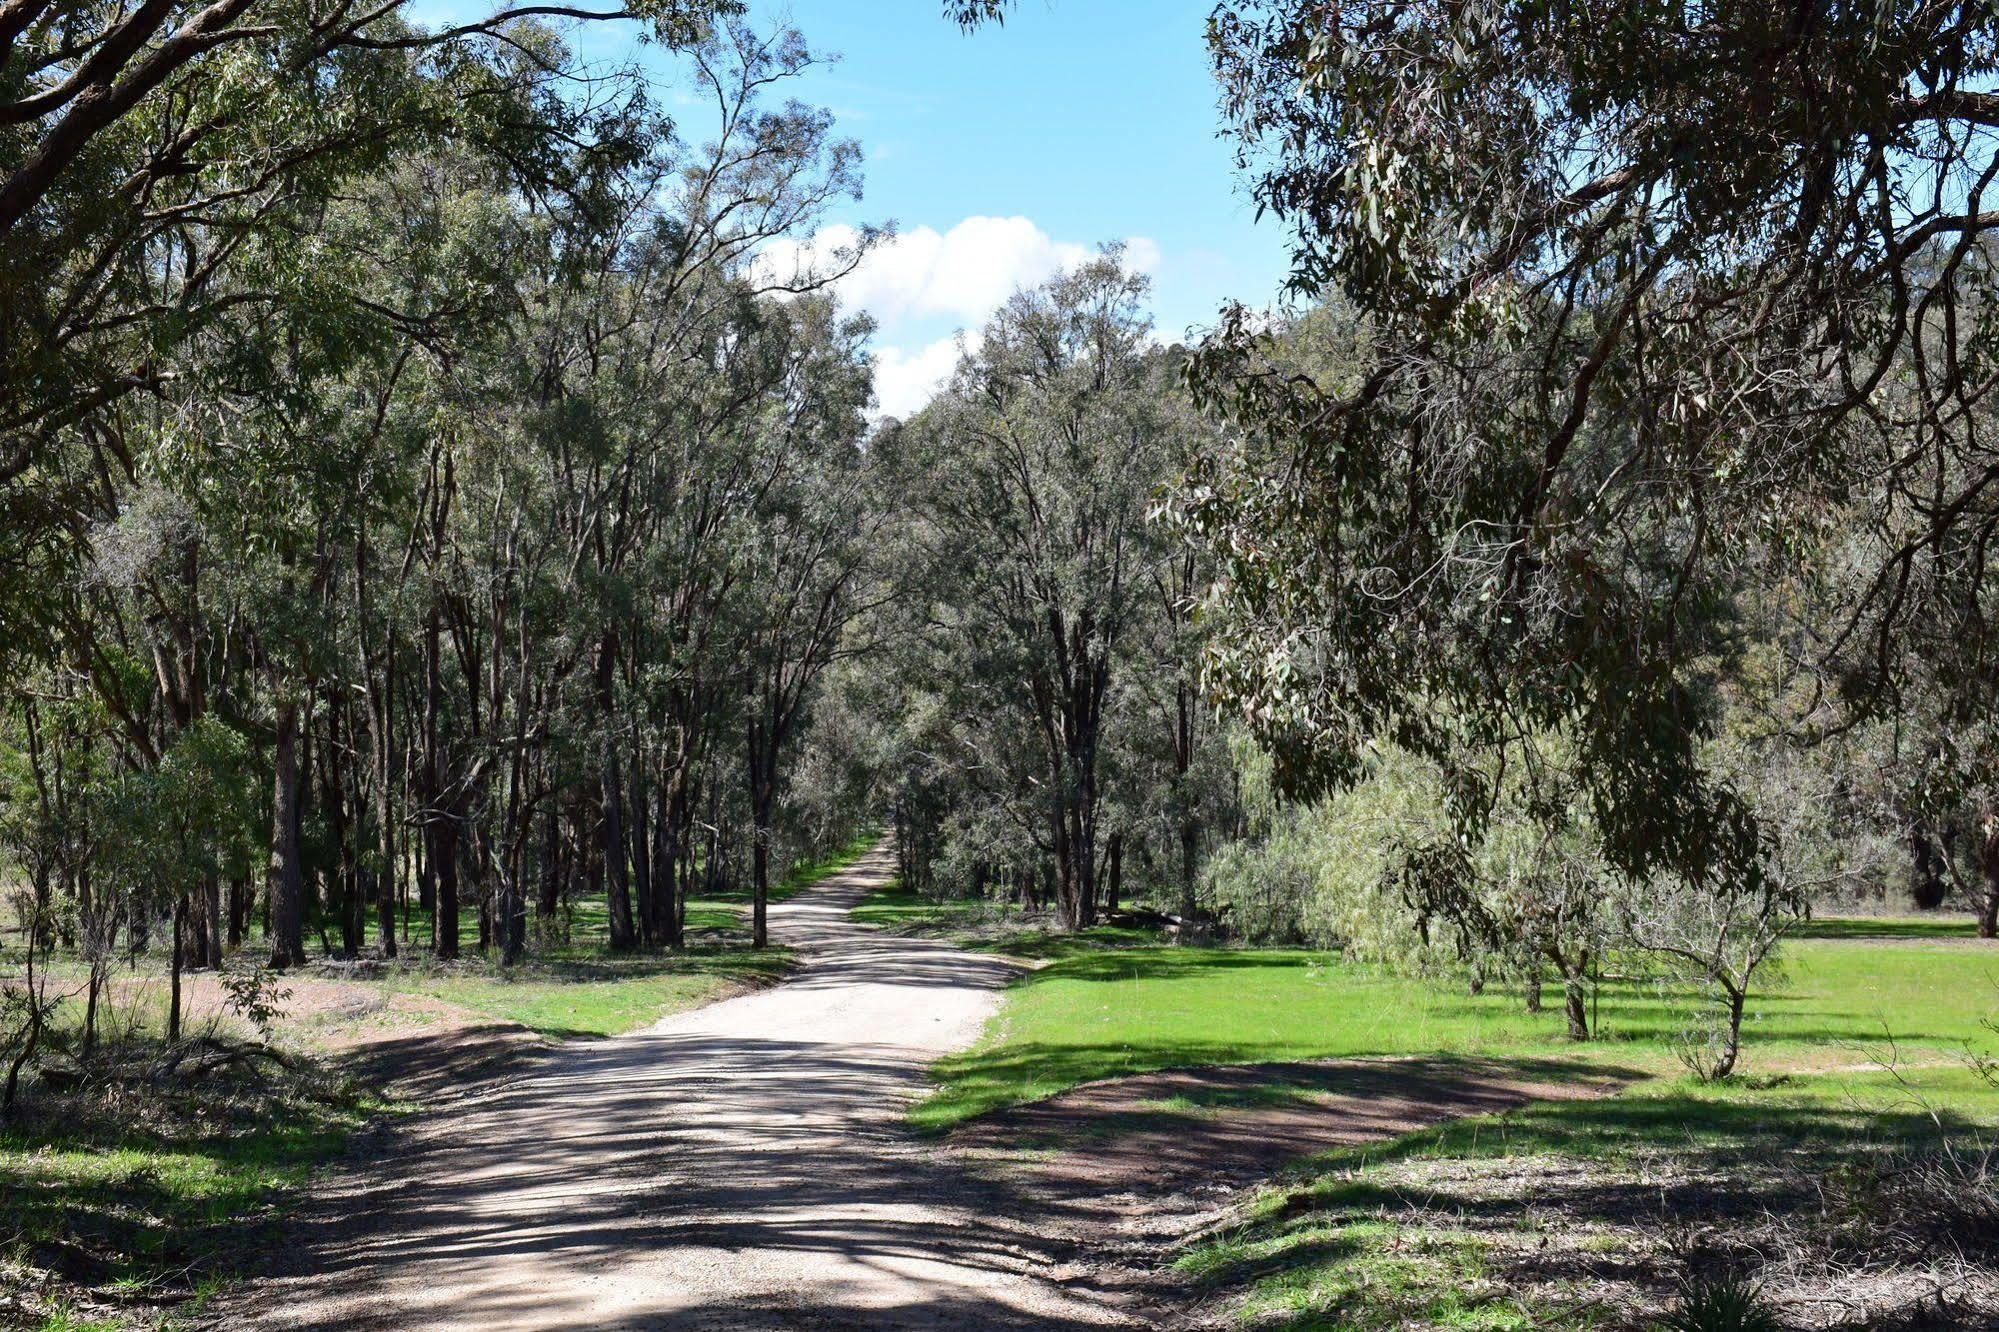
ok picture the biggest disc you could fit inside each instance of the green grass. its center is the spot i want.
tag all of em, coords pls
(1366, 1237)
(1937, 926)
(600, 996)
(989, 927)
(1100, 1013)
(1364, 1275)
(1858, 1043)
(164, 1207)
(892, 905)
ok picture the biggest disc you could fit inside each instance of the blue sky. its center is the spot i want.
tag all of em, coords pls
(1005, 153)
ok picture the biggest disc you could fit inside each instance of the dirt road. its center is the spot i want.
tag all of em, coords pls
(740, 1166)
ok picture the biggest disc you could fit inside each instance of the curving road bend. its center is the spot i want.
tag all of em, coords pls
(739, 1166)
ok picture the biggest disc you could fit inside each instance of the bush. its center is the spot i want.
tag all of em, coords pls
(1726, 1303)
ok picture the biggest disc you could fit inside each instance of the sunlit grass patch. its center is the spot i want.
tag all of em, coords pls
(602, 996)
(1840, 1008)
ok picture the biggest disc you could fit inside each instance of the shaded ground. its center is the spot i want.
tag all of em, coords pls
(412, 1046)
(1135, 1166)
(1228, 1125)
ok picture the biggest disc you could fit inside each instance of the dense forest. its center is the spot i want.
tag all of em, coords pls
(445, 510)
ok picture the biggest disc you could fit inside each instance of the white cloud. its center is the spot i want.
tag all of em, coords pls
(904, 381)
(923, 276)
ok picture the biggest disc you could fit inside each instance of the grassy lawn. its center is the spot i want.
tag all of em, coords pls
(1097, 1013)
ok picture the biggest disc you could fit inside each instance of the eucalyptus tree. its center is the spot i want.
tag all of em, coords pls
(154, 160)
(1622, 345)
(812, 567)
(449, 520)
(1032, 475)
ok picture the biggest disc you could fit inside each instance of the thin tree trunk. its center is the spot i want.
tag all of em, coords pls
(1574, 1009)
(444, 860)
(1988, 861)
(173, 982)
(642, 883)
(286, 888)
(211, 891)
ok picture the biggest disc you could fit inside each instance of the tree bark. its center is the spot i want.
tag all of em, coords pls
(1573, 1008)
(612, 832)
(211, 891)
(286, 886)
(1988, 863)
(642, 881)
(173, 980)
(444, 859)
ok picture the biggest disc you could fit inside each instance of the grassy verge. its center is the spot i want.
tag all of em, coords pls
(598, 996)
(136, 1192)
(1580, 1214)
(1102, 1013)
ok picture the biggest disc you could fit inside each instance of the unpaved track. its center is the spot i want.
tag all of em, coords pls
(739, 1166)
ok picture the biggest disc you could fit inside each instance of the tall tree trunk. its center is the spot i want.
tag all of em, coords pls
(379, 700)
(350, 899)
(642, 881)
(762, 790)
(1190, 840)
(443, 830)
(239, 909)
(179, 960)
(611, 840)
(554, 865)
(211, 892)
(286, 887)
(666, 868)
(1988, 864)
(612, 833)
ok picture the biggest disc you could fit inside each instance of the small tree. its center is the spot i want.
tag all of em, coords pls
(1718, 940)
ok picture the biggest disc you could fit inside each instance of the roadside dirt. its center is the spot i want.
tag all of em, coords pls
(411, 1046)
(1131, 1167)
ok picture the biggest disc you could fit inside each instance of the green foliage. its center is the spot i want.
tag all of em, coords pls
(1499, 485)
(1042, 709)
